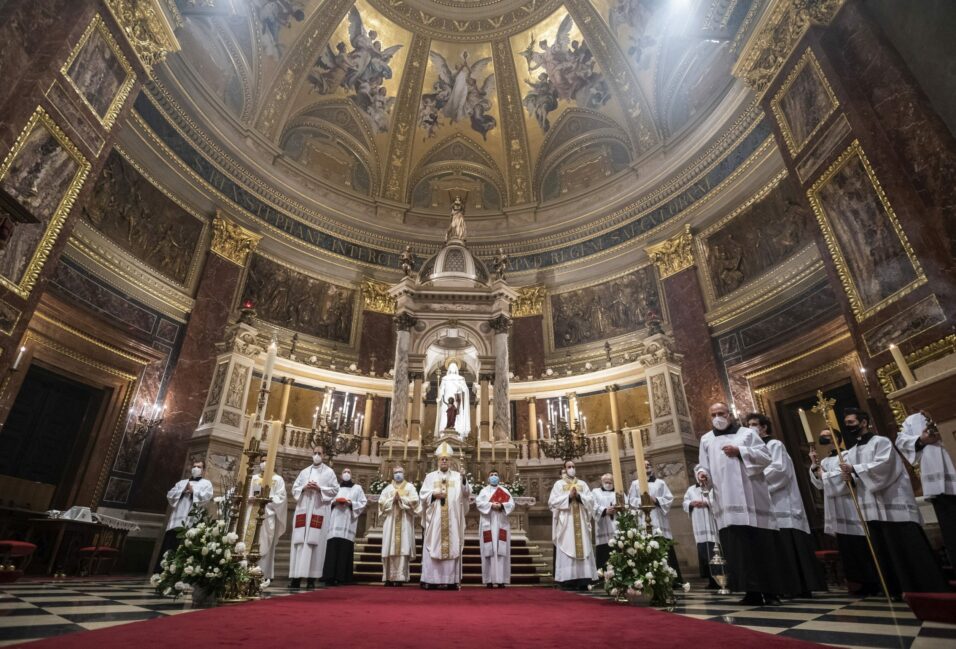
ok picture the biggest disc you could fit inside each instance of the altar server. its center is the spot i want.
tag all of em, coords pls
(195, 490)
(445, 498)
(797, 548)
(889, 507)
(313, 490)
(398, 504)
(495, 504)
(347, 509)
(274, 523)
(735, 458)
(922, 447)
(605, 519)
(571, 505)
(662, 498)
(697, 504)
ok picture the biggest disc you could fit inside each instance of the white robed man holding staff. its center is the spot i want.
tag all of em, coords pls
(398, 504)
(445, 498)
(313, 490)
(495, 504)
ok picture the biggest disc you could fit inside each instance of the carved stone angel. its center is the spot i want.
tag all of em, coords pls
(500, 264)
(407, 261)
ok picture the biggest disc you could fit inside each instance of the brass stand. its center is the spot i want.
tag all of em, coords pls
(647, 506)
(717, 563)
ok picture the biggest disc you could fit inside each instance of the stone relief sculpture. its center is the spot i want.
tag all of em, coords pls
(98, 74)
(237, 385)
(458, 94)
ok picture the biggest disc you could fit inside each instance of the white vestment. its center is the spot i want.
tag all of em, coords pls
(936, 471)
(453, 386)
(345, 518)
(882, 484)
(839, 512)
(571, 531)
(605, 526)
(784, 490)
(700, 517)
(183, 502)
(273, 525)
(658, 489)
(444, 522)
(741, 495)
(310, 523)
(494, 535)
(398, 505)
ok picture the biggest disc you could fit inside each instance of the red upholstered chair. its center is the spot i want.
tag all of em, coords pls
(831, 568)
(933, 607)
(92, 558)
(10, 550)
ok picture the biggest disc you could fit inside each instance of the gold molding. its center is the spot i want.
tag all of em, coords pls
(808, 58)
(376, 298)
(845, 360)
(232, 241)
(146, 28)
(55, 346)
(530, 301)
(55, 224)
(139, 360)
(119, 432)
(799, 357)
(116, 105)
(860, 311)
(673, 255)
(886, 373)
(780, 29)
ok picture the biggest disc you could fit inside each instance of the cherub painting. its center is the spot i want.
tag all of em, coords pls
(274, 16)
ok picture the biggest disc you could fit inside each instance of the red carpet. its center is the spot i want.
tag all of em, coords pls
(410, 618)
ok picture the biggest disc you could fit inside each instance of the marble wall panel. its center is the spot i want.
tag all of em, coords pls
(100, 73)
(378, 338)
(527, 346)
(633, 405)
(909, 323)
(804, 104)
(803, 313)
(597, 408)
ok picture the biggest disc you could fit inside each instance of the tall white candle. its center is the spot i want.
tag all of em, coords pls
(315, 417)
(20, 353)
(540, 428)
(901, 363)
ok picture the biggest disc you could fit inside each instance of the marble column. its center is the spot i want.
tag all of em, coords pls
(484, 385)
(615, 413)
(189, 384)
(501, 428)
(687, 310)
(415, 407)
(533, 426)
(366, 447)
(397, 429)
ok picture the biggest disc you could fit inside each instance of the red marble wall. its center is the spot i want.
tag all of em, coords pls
(377, 337)
(527, 345)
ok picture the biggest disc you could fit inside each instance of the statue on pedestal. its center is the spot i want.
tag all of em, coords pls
(456, 229)
(453, 392)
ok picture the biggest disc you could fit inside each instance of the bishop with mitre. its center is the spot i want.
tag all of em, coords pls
(313, 490)
(445, 499)
(495, 504)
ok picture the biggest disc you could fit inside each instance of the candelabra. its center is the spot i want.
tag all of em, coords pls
(334, 435)
(567, 443)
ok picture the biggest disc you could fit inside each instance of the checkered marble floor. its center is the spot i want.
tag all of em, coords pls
(30, 610)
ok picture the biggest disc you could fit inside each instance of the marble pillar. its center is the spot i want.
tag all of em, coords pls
(615, 412)
(501, 429)
(366, 447)
(397, 428)
(532, 427)
(415, 408)
(484, 385)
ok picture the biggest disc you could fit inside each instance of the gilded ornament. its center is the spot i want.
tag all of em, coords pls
(400, 144)
(937, 349)
(376, 297)
(146, 28)
(673, 255)
(232, 241)
(530, 301)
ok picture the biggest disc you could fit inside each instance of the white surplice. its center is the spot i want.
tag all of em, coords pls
(659, 515)
(936, 471)
(310, 522)
(701, 519)
(345, 518)
(182, 501)
(605, 526)
(398, 505)
(273, 525)
(741, 495)
(494, 534)
(883, 486)
(784, 490)
(444, 522)
(571, 531)
(839, 512)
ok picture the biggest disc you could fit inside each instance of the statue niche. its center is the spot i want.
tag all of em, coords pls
(454, 403)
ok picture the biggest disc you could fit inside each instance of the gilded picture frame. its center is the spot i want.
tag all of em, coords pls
(98, 29)
(784, 113)
(863, 306)
(35, 157)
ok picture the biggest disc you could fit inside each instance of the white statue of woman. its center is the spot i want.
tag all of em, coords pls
(456, 229)
(453, 386)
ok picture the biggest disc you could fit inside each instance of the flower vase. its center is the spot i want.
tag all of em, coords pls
(203, 598)
(642, 599)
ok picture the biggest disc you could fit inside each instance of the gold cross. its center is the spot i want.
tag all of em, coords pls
(823, 405)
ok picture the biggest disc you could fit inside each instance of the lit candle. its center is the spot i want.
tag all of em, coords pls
(20, 353)
(901, 363)
(540, 428)
(806, 426)
(315, 417)
(615, 452)
(272, 453)
(584, 424)
(639, 459)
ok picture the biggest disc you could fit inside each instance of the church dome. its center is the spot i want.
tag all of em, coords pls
(454, 264)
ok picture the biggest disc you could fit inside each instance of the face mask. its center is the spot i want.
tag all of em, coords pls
(196, 472)
(398, 476)
(825, 441)
(317, 459)
(853, 430)
(346, 477)
(607, 486)
(494, 480)
(570, 472)
(720, 423)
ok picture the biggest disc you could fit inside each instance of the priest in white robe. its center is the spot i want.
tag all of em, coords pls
(890, 509)
(313, 490)
(798, 549)
(605, 519)
(274, 523)
(572, 507)
(735, 458)
(697, 505)
(923, 448)
(195, 490)
(495, 504)
(662, 498)
(347, 508)
(398, 504)
(445, 498)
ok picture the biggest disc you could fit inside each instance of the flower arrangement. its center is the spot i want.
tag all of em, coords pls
(207, 559)
(638, 564)
(515, 487)
(377, 486)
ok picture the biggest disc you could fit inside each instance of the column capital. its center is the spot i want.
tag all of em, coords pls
(674, 254)
(530, 301)
(376, 297)
(405, 321)
(611, 388)
(530, 399)
(489, 377)
(146, 28)
(232, 241)
(500, 324)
